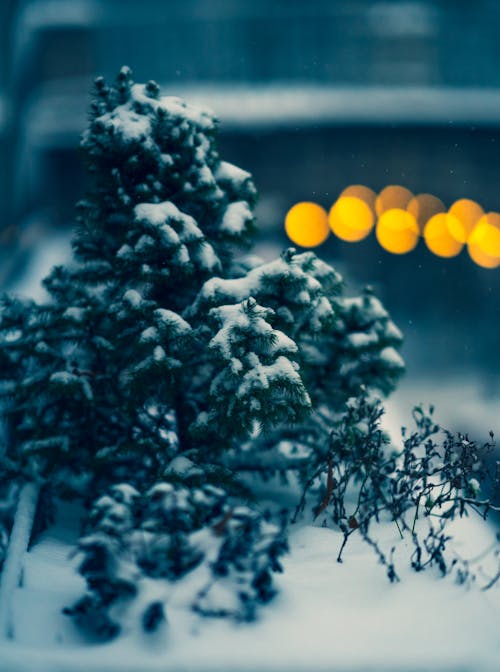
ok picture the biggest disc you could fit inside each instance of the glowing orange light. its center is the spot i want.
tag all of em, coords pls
(351, 219)
(480, 258)
(402, 219)
(423, 207)
(392, 197)
(397, 231)
(306, 224)
(468, 212)
(486, 235)
(445, 235)
(364, 193)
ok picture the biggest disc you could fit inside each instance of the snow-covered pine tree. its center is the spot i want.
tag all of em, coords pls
(154, 343)
(104, 357)
(160, 354)
(341, 344)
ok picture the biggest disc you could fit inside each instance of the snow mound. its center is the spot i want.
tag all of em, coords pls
(327, 616)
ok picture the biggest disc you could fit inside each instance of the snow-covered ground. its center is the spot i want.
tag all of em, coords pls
(327, 616)
(462, 403)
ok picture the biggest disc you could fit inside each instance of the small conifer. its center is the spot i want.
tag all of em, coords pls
(163, 361)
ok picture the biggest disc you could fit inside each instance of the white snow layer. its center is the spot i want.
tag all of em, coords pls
(236, 217)
(16, 553)
(131, 126)
(162, 216)
(327, 616)
(234, 318)
(239, 289)
(392, 358)
(175, 107)
(228, 172)
(133, 297)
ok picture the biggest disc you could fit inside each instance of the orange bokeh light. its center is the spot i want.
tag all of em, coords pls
(393, 197)
(306, 224)
(423, 207)
(487, 233)
(351, 219)
(468, 212)
(480, 258)
(445, 235)
(402, 219)
(364, 193)
(397, 231)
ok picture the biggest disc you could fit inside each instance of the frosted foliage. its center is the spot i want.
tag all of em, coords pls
(116, 336)
(159, 354)
(227, 172)
(255, 379)
(206, 257)
(236, 217)
(368, 308)
(124, 492)
(176, 108)
(167, 319)
(392, 358)
(158, 213)
(133, 127)
(298, 287)
(150, 335)
(362, 347)
(256, 281)
(133, 298)
(368, 324)
(74, 314)
(63, 378)
(237, 319)
(158, 326)
(361, 339)
(129, 125)
(392, 332)
(126, 124)
(72, 384)
(173, 230)
(235, 181)
(262, 377)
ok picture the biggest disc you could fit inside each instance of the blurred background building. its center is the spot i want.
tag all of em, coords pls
(312, 96)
